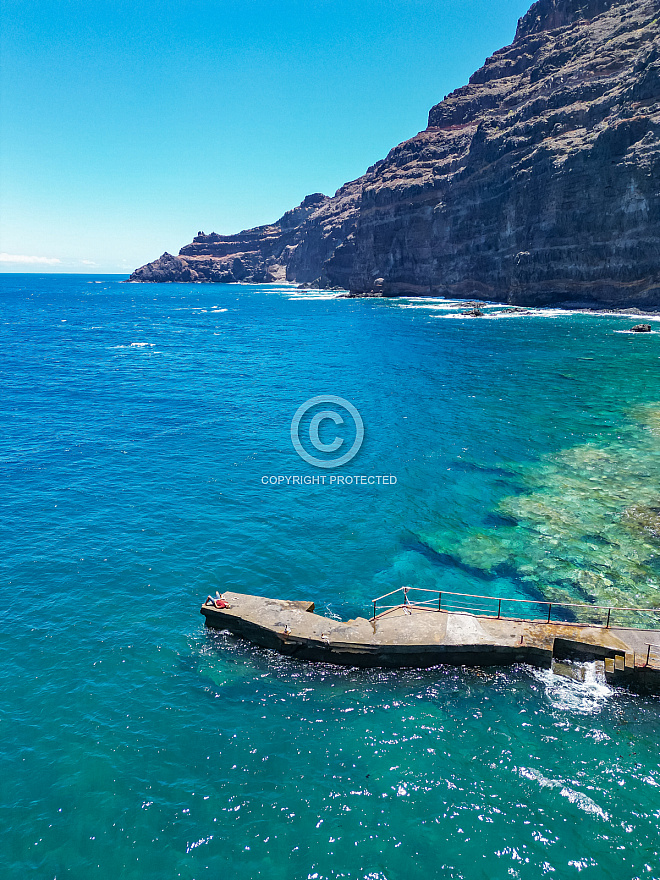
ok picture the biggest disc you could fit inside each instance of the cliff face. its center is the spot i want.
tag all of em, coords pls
(536, 183)
(294, 248)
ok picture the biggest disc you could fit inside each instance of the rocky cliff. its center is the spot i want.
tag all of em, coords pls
(536, 183)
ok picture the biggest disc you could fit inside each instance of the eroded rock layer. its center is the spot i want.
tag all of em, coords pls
(536, 183)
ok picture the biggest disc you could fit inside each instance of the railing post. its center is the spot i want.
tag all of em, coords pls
(374, 610)
(609, 611)
(648, 655)
(499, 609)
(405, 595)
(439, 601)
(549, 611)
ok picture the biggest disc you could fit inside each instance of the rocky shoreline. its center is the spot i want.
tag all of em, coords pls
(537, 183)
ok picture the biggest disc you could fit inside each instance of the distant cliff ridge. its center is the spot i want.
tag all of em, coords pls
(536, 183)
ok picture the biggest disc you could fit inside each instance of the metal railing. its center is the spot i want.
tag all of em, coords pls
(496, 607)
(652, 656)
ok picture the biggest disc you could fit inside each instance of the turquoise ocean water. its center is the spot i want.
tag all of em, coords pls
(137, 424)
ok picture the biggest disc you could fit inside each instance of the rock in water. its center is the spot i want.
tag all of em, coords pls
(641, 328)
(537, 183)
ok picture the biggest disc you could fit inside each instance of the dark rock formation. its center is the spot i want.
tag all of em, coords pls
(641, 328)
(292, 249)
(536, 183)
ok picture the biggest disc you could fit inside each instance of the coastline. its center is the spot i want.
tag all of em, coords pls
(569, 307)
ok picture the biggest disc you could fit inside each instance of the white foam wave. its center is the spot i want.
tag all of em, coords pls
(315, 296)
(433, 299)
(460, 309)
(445, 306)
(501, 313)
(580, 799)
(566, 694)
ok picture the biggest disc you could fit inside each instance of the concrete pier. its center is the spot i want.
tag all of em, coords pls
(410, 636)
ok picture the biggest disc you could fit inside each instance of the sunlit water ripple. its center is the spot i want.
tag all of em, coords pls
(138, 421)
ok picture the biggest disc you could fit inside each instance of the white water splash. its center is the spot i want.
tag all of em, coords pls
(584, 697)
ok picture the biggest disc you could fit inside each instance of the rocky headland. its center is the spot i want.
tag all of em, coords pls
(537, 183)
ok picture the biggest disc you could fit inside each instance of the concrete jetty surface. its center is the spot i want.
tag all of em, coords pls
(419, 637)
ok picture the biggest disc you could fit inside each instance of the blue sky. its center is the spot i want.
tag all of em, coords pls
(126, 127)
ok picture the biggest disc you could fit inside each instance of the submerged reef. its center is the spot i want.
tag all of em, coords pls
(585, 526)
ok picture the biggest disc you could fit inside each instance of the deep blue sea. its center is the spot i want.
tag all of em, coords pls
(138, 425)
